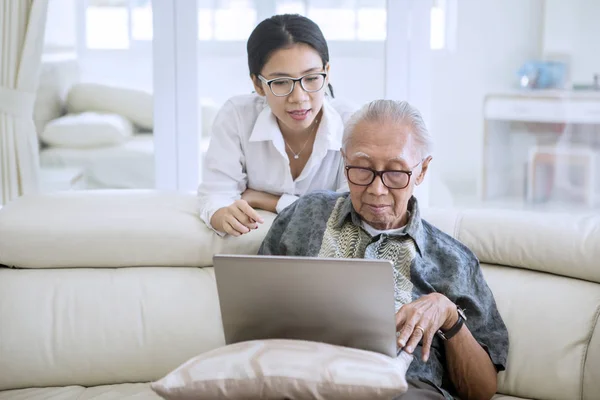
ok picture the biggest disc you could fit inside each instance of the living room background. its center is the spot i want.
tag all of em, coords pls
(497, 143)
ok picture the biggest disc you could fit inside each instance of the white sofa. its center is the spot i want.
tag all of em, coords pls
(114, 289)
(125, 165)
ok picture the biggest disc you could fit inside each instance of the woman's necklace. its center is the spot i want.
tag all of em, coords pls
(297, 155)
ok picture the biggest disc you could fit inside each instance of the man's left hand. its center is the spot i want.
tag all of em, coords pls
(421, 319)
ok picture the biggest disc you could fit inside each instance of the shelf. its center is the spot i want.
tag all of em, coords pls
(552, 110)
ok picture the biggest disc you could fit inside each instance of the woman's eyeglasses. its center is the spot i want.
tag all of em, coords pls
(284, 86)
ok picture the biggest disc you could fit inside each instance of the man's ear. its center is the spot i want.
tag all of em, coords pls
(423, 172)
(258, 85)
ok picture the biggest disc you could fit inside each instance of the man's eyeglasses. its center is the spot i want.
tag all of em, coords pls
(392, 179)
(283, 86)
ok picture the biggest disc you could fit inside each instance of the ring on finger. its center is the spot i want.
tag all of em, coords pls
(420, 329)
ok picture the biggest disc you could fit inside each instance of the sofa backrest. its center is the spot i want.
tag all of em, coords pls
(544, 271)
(558, 243)
(113, 228)
(100, 324)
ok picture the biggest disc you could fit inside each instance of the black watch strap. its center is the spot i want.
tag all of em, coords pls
(450, 333)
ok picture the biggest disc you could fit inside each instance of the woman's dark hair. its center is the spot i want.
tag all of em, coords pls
(282, 31)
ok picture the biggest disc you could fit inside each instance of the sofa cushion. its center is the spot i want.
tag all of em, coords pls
(137, 391)
(104, 325)
(552, 322)
(287, 369)
(113, 228)
(136, 105)
(87, 130)
(127, 391)
(591, 366)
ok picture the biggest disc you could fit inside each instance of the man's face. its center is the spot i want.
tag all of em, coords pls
(383, 146)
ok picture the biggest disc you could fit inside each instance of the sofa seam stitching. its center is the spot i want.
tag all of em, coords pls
(587, 348)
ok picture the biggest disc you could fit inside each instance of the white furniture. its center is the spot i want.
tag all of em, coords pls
(560, 160)
(61, 178)
(545, 121)
(115, 289)
(128, 165)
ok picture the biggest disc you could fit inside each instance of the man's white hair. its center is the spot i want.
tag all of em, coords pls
(399, 112)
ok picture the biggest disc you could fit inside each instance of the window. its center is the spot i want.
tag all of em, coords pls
(114, 24)
(438, 26)
(101, 14)
(141, 20)
(371, 23)
(226, 20)
(345, 20)
(117, 24)
(233, 20)
(443, 25)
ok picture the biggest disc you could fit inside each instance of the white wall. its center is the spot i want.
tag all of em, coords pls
(494, 39)
(573, 27)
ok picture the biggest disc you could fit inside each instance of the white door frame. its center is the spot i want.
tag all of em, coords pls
(176, 119)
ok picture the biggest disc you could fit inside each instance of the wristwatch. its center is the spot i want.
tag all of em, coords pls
(449, 334)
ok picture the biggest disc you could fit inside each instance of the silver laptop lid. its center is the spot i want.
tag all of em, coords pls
(347, 302)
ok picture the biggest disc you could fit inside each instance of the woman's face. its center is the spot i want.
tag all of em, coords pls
(297, 110)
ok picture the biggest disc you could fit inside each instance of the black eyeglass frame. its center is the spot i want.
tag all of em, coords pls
(377, 173)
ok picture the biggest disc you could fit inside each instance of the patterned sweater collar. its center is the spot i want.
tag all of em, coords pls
(414, 227)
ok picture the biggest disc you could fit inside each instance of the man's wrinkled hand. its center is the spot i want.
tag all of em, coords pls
(421, 319)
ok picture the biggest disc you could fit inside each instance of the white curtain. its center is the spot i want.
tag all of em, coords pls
(22, 26)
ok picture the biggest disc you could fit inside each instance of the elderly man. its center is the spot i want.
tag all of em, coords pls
(446, 315)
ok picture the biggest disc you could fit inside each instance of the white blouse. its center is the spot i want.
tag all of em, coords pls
(247, 150)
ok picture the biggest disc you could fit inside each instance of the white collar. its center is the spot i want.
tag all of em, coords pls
(374, 232)
(329, 135)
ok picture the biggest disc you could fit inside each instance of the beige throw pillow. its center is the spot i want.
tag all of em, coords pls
(286, 369)
(133, 104)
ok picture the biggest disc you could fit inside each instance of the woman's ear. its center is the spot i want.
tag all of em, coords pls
(258, 85)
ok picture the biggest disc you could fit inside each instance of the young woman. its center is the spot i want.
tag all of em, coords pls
(269, 147)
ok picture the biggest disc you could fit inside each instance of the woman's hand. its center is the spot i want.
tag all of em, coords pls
(421, 319)
(237, 219)
(260, 200)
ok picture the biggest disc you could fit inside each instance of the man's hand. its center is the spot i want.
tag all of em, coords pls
(236, 219)
(260, 200)
(421, 319)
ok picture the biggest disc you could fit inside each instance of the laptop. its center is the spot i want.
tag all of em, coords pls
(345, 302)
